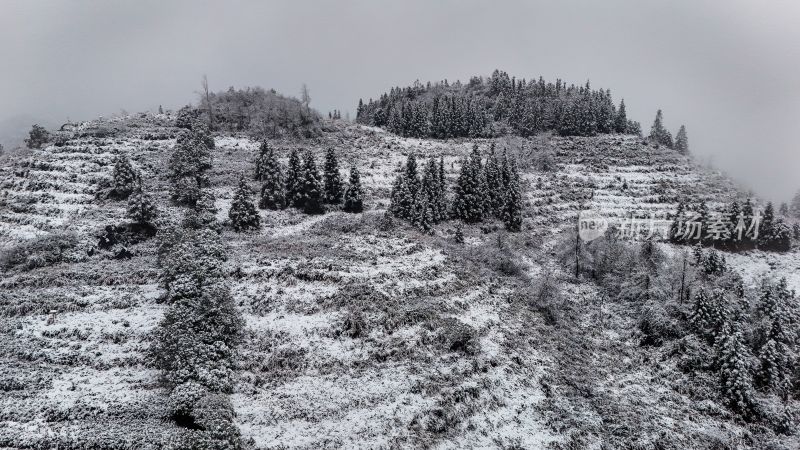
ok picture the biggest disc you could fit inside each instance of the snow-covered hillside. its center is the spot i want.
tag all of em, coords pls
(361, 332)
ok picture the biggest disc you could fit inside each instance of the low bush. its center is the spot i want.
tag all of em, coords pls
(42, 251)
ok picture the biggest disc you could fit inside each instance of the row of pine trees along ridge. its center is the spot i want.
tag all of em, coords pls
(720, 229)
(500, 105)
(482, 191)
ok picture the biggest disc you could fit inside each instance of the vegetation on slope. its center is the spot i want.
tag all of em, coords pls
(494, 106)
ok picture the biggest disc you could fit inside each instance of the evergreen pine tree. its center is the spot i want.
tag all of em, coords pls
(243, 213)
(767, 304)
(733, 214)
(333, 179)
(272, 187)
(203, 214)
(354, 195)
(766, 229)
(294, 181)
(621, 119)
(265, 161)
(682, 141)
(470, 191)
(141, 209)
(406, 189)
(189, 162)
(432, 188)
(658, 133)
(734, 373)
(422, 216)
(312, 192)
(398, 192)
(748, 215)
(708, 313)
(775, 363)
(125, 178)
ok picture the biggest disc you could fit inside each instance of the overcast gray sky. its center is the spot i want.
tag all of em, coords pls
(727, 69)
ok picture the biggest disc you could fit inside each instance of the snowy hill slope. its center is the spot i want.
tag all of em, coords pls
(360, 332)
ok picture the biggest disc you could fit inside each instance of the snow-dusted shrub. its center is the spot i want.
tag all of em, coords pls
(543, 294)
(354, 325)
(453, 407)
(186, 117)
(450, 334)
(284, 361)
(211, 427)
(184, 396)
(42, 251)
(37, 137)
(659, 323)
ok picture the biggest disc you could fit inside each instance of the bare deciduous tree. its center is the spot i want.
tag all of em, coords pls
(204, 83)
(305, 97)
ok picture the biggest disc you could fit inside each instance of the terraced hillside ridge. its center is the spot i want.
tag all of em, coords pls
(361, 331)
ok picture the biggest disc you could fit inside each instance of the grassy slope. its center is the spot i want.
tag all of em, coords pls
(360, 333)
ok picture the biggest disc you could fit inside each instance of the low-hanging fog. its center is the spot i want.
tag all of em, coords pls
(727, 70)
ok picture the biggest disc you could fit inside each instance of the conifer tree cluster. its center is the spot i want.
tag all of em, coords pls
(243, 213)
(194, 345)
(734, 229)
(708, 313)
(482, 191)
(125, 178)
(421, 201)
(490, 190)
(302, 186)
(658, 133)
(496, 105)
(734, 370)
(777, 306)
(189, 162)
(762, 356)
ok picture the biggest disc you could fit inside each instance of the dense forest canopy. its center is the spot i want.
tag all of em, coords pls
(497, 105)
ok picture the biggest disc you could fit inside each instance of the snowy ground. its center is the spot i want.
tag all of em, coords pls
(359, 334)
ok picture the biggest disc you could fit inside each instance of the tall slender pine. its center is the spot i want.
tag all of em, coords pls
(312, 187)
(333, 179)
(294, 181)
(354, 195)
